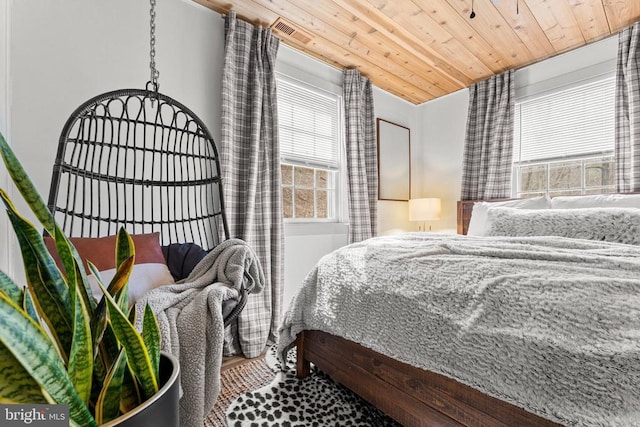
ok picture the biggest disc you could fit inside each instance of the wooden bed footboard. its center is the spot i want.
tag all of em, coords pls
(412, 396)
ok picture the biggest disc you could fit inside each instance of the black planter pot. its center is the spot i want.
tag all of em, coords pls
(162, 409)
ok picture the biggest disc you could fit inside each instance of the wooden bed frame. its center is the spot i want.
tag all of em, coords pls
(412, 396)
(465, 207)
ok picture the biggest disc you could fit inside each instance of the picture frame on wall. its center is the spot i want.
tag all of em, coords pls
(394, 161)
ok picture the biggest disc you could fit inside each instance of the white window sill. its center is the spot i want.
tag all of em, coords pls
(314, 228)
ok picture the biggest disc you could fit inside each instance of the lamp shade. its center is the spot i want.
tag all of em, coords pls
(427, 209)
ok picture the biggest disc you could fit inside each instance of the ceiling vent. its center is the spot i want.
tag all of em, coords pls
(290, 31)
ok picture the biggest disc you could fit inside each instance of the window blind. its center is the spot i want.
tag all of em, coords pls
(308, 124)
(573, 122)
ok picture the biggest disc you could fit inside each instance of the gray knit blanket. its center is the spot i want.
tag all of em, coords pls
(549, 324)
(190, 318)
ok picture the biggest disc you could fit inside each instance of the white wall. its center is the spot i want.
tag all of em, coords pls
(444, 119)
(4, 129)
(443, 128)
(4, 65)
(64, 52)
(303, 248)
(393, 217)
(4, 118)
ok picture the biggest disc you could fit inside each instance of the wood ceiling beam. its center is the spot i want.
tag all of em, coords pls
(327, 50)
(407, 41)
(382, 84)
(407, 15)
(591, 18)
(521, 20)
(375, 39)
(422, 49)
(558, 22)
(490, 25)
(350, 38)
(621, 13)
(440, 13)
(379, 76)
(258, 17)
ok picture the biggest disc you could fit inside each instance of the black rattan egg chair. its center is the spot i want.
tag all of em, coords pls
(139, 159)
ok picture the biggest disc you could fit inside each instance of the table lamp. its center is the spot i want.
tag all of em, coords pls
(425, 209)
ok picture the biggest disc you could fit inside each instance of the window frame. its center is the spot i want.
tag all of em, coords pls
(336, 175)
(583, 157)
(584, 161)
(332, 179)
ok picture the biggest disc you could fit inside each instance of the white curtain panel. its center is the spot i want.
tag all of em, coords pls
(250, 163)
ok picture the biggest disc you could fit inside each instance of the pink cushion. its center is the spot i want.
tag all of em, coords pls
(101, 251)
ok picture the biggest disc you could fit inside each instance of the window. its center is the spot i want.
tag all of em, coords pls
(564, 141)
(309, 123)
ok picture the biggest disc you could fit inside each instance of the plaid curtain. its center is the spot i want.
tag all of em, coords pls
(362, 156)
(250, 163)
(627, 136)
(488, 145)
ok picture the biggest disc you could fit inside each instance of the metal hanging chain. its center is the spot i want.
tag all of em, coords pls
(152, 49)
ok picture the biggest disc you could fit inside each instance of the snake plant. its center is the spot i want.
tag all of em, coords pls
(57, 344)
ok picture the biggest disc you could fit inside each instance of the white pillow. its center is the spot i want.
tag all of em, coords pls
(144, 277)
(478, 221)
(596, 201)
(620, 225)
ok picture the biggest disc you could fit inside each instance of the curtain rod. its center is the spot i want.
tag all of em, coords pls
(259, 24)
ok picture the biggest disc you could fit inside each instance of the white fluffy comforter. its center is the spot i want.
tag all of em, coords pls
(549, 324)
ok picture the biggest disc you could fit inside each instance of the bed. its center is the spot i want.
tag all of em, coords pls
(416, 396)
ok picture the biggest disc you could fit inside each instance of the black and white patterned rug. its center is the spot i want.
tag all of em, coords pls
(314, 401)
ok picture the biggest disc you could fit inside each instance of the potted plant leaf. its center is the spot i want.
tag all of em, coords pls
(58, 345)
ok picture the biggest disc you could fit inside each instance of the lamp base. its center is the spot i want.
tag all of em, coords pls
(422, 227)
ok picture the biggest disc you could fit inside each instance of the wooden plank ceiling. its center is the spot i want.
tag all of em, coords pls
(422, 49)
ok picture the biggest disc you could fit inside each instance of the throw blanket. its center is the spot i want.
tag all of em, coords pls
(190, 317)
(549, 324)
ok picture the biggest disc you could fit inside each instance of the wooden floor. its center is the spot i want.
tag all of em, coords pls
(233, 361)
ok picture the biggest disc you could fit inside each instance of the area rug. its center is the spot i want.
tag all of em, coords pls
(314, 401)
(235, 382)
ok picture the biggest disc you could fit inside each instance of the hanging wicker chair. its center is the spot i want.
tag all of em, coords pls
(140, 159)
